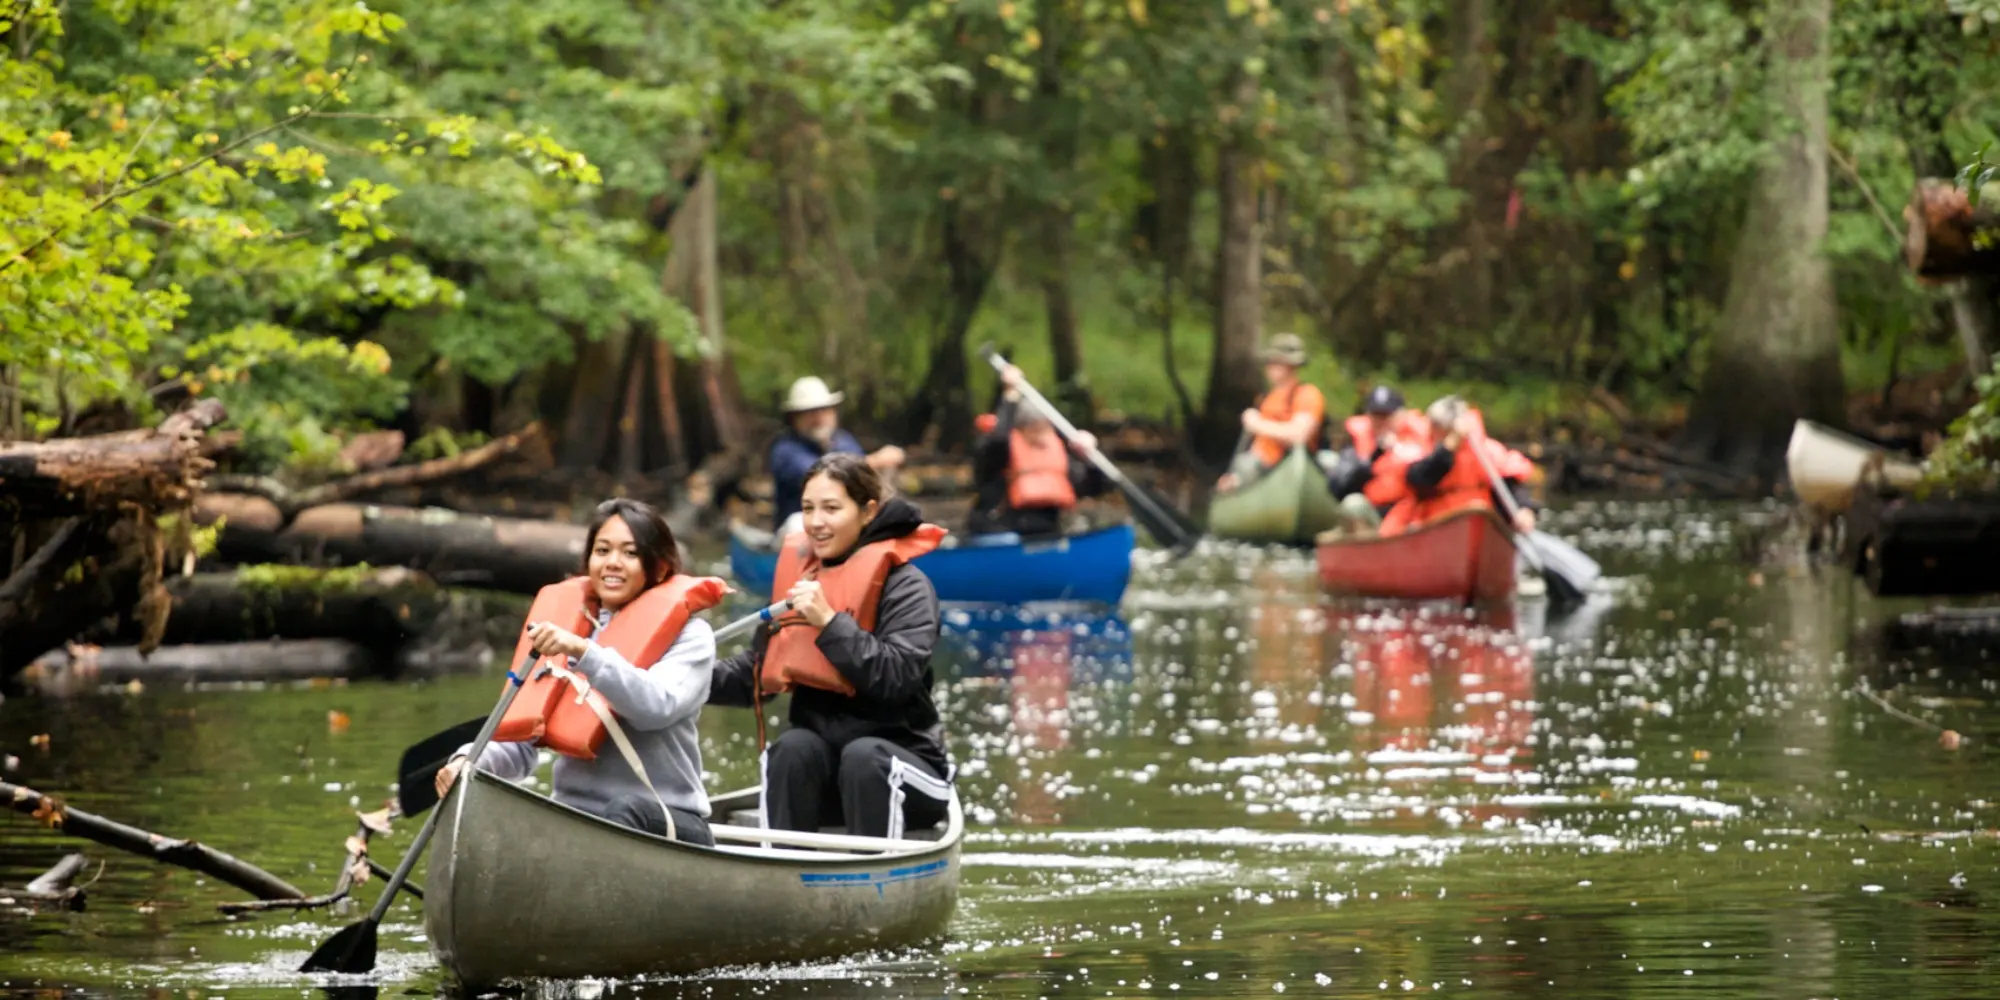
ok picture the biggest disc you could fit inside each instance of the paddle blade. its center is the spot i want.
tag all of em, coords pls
(1570, 573)
(415, 773)
(350, 951)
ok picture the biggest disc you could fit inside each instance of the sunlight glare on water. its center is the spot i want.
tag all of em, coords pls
(1235, 787)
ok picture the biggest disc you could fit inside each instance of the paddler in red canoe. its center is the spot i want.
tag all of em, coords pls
(1368, 475)
(1452, 478)
(643, 676)
(865, 744)
(1026, 478)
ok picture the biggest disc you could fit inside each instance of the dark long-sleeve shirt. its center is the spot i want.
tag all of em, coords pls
(791, 455)
(1426, 473)
(990, 463)
(889, 667)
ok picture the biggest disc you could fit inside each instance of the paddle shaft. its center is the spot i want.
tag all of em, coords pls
(1507, 502)
(749, 623)
(1096, 458)
(516, 677)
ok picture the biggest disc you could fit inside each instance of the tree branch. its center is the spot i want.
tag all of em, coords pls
(1847, 167)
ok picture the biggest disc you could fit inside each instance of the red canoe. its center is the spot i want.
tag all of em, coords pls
(1468, 555)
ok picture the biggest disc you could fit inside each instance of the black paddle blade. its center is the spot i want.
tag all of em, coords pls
(350, 951)
(1570, 573)
(415, 773)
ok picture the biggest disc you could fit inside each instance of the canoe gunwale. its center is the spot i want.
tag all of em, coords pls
(953, 833)
(1361, 544)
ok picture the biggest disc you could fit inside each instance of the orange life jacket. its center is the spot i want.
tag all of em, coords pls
(1412, 441)
(855, 586)
(548, 711)
(1038, 474)
(1281, 407)
(1465, 487)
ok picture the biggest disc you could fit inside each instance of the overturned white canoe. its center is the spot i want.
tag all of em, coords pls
(1826, 465)
(522, 887)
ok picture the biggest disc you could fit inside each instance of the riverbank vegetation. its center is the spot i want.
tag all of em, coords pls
(638, 222)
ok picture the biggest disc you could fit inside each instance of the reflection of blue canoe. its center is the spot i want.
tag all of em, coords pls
(988, 641)
(1089, 567)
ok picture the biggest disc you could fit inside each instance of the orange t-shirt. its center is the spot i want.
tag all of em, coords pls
(1281, 405)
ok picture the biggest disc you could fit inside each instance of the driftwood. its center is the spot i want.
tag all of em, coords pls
(290, 501)
(81, 668)
(168, 850)
(472, 550)
(53, 887)
(1944, 232)
(355, 867)
(153, 468)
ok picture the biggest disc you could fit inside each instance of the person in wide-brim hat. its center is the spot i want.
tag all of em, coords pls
(812, 429)
(1289, 415)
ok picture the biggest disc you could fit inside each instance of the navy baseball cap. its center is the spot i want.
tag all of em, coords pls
(1382, 401)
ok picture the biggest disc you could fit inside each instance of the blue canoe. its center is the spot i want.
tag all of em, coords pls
(1093, 566)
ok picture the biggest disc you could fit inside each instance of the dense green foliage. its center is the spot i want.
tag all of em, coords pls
(316, 208)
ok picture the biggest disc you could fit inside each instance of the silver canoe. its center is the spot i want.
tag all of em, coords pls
(521, 887)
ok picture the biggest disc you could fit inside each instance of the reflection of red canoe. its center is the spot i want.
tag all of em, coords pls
(1468, 555)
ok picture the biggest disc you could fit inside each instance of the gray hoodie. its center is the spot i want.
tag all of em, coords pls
(658, 708)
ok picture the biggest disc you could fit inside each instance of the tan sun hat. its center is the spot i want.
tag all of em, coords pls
(811, 393)
(1286, 348)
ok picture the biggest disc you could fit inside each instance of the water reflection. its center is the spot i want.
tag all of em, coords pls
(1233, 786)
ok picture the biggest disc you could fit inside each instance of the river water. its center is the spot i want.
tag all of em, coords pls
(1234, 787)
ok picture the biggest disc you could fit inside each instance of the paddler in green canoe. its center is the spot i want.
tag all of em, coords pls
(1290, 414)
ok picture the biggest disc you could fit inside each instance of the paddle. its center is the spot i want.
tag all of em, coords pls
(1160, 519)
(353, 948)
(416, 772)
(1568, 572)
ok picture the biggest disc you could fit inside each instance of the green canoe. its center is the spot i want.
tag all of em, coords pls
(1288, 504)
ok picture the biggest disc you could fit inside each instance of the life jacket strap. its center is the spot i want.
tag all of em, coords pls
(618, 737)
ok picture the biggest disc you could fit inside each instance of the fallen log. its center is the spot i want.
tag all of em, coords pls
(81, 668)
(454, 549)
(154, 468)
(290, 501)
(381, 609)
(1945, 237)
(94, 566)
(53, 887)
(51, 812)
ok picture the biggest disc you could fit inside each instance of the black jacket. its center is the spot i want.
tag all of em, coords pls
(990, 461)
(1426, 473)
(890, 667)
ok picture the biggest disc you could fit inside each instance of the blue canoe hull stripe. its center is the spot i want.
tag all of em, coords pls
(877, 880)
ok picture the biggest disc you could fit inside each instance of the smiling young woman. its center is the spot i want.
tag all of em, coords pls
(637, 607)
(865, 744)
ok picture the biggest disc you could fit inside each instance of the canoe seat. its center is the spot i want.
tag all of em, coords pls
(755, 818)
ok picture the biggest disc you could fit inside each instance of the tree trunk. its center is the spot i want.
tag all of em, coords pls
(1973, 312)
(1234, 379)
(1065, 345)
(518, 556)
(1776, 352)
(693, 276)
(945, 404)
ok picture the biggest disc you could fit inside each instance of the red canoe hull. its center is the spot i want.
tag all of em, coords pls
(1468, 556)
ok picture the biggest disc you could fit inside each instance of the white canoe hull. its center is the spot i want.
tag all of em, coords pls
(1826, 466)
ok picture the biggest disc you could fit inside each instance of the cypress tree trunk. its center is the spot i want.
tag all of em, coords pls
(1776, 353)
(1233, 379)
